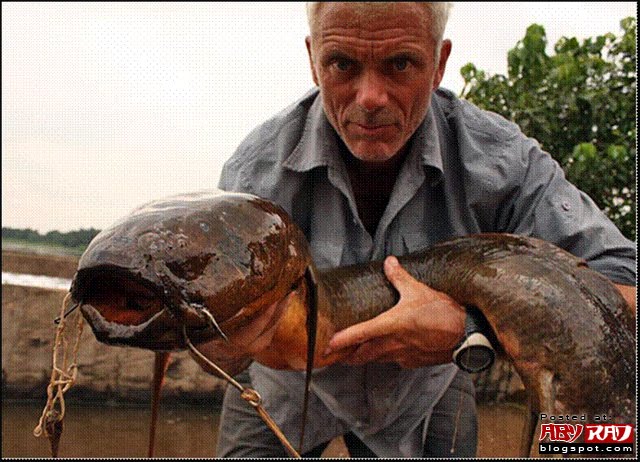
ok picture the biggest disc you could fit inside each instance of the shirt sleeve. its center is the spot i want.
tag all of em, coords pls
(548, 206)
(229, 178)
(232, 177)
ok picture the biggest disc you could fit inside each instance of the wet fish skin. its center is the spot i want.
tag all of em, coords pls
(566, 328)
(143, 278)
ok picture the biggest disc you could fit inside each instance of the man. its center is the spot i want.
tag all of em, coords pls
(378, 161)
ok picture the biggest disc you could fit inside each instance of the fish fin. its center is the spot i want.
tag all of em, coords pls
(542, 402)
(159, 369)
(311, 324)
(528, 430)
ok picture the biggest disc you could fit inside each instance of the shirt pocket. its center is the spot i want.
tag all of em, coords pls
(326, 254)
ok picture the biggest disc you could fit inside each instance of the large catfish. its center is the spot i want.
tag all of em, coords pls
(203, 265)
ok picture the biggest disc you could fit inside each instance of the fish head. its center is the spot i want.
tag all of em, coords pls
(197, 265)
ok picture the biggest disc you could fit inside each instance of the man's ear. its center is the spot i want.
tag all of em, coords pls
(314, 76)
(445, 51)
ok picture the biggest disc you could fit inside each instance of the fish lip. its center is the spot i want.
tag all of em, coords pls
(113, 332)
(160, 331)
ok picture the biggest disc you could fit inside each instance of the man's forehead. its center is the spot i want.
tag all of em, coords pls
(371, 16)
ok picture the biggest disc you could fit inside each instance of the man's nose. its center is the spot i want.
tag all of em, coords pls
(372, 92)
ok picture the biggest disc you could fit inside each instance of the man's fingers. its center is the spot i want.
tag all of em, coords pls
(357, 334)
(388, 350)
(397, 275)
(374, 349)
(408, 359)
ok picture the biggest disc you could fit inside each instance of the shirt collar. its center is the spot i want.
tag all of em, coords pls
(319, 144)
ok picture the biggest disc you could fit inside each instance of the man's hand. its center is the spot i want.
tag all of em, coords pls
(421, 329)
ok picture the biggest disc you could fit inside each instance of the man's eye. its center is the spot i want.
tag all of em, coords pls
(343, 64)
(400, 64)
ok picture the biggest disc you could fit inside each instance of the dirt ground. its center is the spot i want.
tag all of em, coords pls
(32, 263)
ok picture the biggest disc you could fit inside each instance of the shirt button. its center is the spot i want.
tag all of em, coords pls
(566, 206)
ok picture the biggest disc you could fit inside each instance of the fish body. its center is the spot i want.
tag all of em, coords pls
(158, 273)
(566, 328)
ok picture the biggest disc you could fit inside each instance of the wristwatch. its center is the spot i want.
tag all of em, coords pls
(475, 353)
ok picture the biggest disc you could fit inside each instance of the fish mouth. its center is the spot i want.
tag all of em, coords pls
(126, 309)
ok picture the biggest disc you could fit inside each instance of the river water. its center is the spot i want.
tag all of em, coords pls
(188, 431)
(102, 431)
(31, 280)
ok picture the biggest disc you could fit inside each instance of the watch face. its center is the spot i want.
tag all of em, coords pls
(475, 358)
(474, 354)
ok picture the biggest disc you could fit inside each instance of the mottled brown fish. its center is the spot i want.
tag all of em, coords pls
(208, 263)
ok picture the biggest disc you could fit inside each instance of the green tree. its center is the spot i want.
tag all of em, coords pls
(74, 239)
(580, 104)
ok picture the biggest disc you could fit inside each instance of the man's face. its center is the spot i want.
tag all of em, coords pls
(376, 73)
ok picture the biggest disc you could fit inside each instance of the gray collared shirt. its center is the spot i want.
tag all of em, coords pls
(468, 171)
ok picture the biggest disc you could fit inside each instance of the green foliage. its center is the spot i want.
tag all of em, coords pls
(580, 104)
(72, 239)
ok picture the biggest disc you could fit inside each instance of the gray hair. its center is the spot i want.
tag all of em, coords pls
(438, 12)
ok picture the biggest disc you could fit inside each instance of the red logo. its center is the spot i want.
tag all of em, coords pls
(593, 433)
(609, 433)
(567, 433)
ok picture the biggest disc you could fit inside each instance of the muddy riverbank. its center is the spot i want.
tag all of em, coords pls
(61, 266)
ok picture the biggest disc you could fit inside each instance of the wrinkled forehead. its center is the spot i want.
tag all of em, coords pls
(367, 18)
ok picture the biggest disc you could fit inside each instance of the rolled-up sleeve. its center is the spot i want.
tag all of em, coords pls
(547, 206)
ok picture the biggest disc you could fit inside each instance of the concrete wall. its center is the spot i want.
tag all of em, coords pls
(105, 372)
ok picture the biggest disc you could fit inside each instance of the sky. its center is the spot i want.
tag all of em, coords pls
(106, 106)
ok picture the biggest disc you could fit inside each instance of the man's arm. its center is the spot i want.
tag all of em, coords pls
(549, 207)
(422, 329)
(398, 335)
